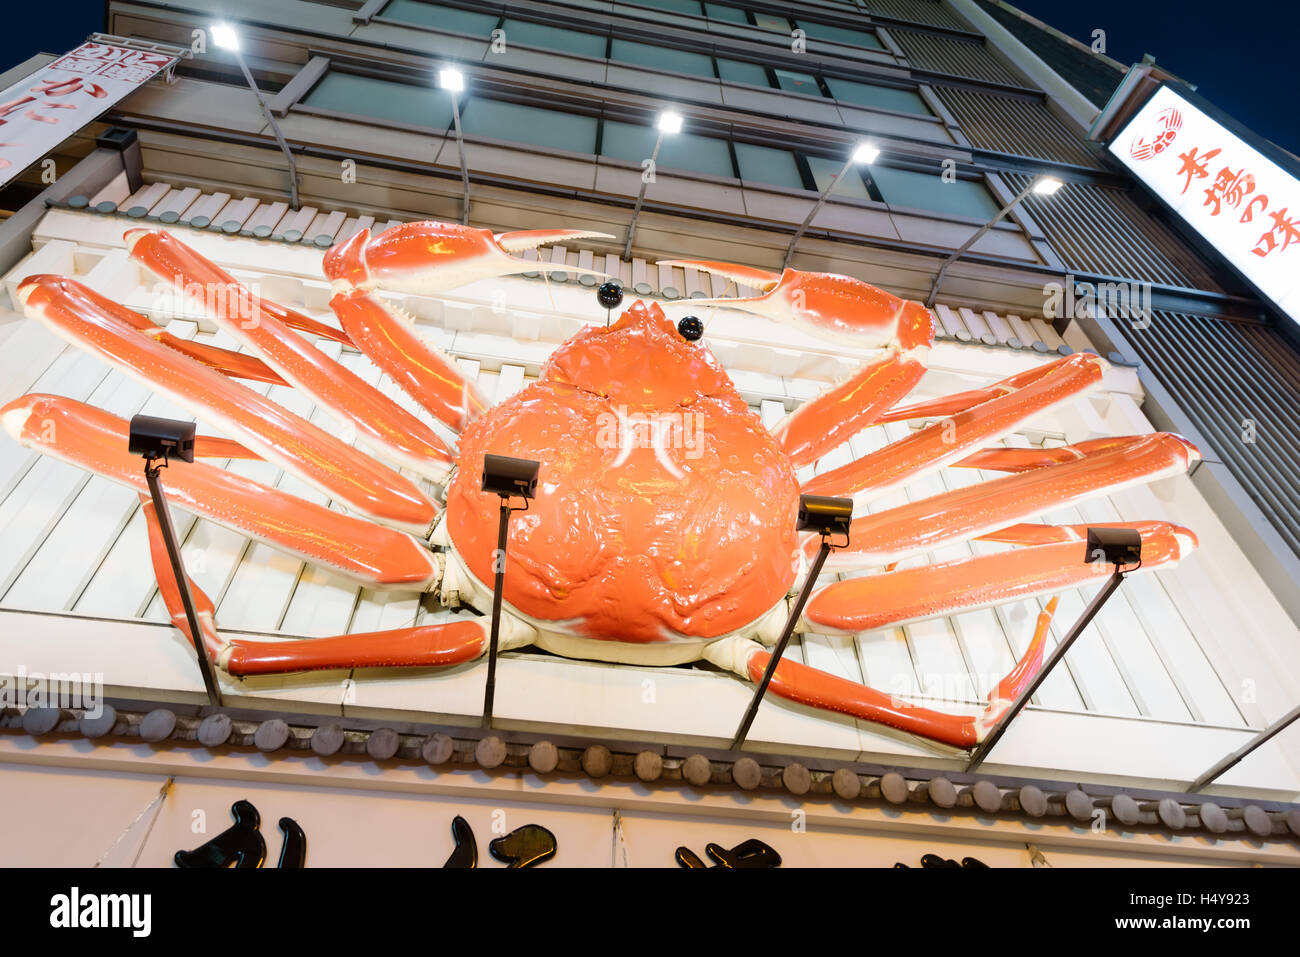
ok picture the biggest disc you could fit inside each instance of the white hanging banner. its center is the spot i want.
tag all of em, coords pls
(42, 110)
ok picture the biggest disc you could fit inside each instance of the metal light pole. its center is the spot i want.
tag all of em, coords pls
(862, 153)
(1043, 186)
(158, 440)
(453, 81)
(1121, 547)
(225, 37)
(826, 516)
(668, 123)
(1236, 757)
(506, 477)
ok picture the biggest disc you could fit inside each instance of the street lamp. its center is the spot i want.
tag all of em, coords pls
(1041, 186)
(453, 81)
(225, 38)
(668, 123)
(864, 152)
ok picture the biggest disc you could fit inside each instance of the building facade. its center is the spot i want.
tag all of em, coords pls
(968, 104)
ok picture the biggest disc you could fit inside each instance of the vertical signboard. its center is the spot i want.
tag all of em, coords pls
(42, 110)
(1241, 202)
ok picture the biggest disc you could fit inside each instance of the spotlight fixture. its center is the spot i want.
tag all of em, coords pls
(669, 122)
(825, 515)
(505, 476)
(865, 153)
(452, 79)
(1114, 546)
(1047, 185)
(165, 439)
(158, 441)
(224, 36)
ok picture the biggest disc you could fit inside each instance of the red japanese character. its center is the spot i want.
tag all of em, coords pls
(1193, 169)
(1246, 215)
(70, 85)
(1283, 228)
(1230, 188)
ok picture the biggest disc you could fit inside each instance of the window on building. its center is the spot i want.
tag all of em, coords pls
(716, 11)
(554, 38)
(824, 170)
(737, 71)
(451, 19)
(529, 124)
(690, 7)
(879, 97)
(773, 167)
(662, 58)
(855, 38)
(685, 151)
(769, 22)
(793, 82)
(382, 99)
(908, 188)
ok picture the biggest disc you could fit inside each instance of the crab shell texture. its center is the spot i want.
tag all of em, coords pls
(665, 511)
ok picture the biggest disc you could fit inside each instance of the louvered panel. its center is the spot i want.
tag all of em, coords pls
(1012, 124)
(1098, 229)
(928, 12)
(1253, 390)
(952, 55)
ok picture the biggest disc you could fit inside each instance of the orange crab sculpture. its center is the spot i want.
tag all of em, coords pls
(663, 530)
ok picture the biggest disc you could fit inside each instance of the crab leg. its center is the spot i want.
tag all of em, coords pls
(236, 364)
(844, 311)
(90, 321)
(941, 443)
(961, 401)
(422, 370)
(1053, 560)
(960, 514)
(382, 425)
(92, 439)
(810, 686)
(422, 646)
(1024, 460)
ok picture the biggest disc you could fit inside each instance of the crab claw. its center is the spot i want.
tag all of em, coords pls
(429, 257)
(837, 308)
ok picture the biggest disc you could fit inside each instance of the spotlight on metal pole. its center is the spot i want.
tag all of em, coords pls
(161, 440)
(668, 123)
(225, 38)
(1120, 547)
(1042, 186)
(508, 478)
(453, 81)
(864, 153)
(827, 517)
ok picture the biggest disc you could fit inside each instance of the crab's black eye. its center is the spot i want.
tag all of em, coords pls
(690, 328)
(610, 294)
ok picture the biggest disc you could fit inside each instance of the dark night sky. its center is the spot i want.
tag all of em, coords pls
(1241, 55)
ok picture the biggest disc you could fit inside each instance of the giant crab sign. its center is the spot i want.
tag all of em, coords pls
(678, 548)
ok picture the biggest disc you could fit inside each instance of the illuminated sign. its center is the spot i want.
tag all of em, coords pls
(41, 111)
(1237, 199)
